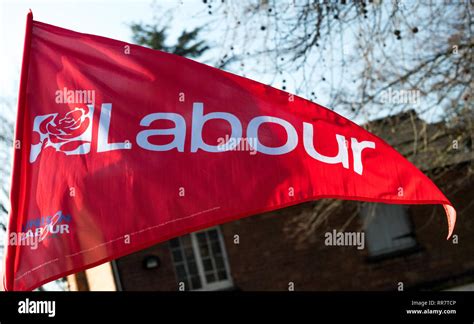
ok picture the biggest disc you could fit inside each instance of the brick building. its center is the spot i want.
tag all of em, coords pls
(404, 246)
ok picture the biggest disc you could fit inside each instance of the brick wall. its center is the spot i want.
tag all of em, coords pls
(266, 259)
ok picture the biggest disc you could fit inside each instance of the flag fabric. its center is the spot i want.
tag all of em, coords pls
(119, 147)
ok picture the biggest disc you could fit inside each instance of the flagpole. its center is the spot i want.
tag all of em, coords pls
(18, 154)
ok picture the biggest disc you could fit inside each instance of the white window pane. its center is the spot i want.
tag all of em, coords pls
(200, 260)
(185, 262)
(387, 228)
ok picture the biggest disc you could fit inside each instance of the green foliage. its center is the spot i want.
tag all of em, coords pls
(155, 37)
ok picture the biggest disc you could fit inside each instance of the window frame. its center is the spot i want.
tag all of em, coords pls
(205, 286)
(392, 251)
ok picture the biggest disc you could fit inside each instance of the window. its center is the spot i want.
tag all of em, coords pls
(200, 260)
(387, 229)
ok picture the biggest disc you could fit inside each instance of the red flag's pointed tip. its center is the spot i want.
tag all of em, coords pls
(451, 216)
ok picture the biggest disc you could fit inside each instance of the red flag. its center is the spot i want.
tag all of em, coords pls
(123, 147)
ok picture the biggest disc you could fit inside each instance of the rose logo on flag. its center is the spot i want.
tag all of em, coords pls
(70, 134)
